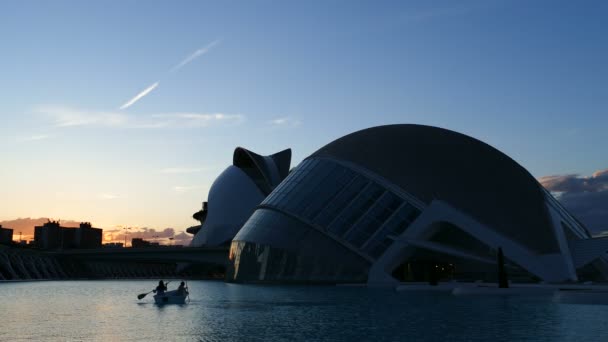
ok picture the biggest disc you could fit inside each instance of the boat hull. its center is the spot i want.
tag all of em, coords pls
(171, 297)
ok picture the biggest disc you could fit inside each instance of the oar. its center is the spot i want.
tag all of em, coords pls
(188, 292)
(142, 295)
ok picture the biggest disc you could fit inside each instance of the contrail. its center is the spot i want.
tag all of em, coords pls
(187, 60)
(195, 55)
(139, 96)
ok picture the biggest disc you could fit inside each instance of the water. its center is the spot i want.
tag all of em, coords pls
(110, 311)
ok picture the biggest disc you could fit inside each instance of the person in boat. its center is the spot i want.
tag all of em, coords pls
(161, 288)
(182, 288)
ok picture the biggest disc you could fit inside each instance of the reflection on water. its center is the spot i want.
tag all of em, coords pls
(110, 311)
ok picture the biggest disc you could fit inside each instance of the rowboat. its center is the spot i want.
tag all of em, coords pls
(171, 297)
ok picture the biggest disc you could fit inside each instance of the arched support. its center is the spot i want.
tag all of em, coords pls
(548, 267)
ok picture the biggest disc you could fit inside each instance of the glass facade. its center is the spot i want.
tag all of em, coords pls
(344, 204)
(286, 250)
(325, 207)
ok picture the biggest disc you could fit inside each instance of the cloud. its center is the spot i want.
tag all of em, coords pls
(150, 234)
(285, 122)
(115, 230)
(182, 239)
(172, 170)
(198, 119)
(107, 196)
(64, 116)
(26, 225)
(585, 197)
(71, 117)
(140, 95)
(163, 236)
(34, 138)
(185, 188)
(195, 55)
(598, 181)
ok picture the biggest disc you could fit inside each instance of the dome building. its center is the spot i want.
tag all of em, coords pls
(406, 203)
(235, 193)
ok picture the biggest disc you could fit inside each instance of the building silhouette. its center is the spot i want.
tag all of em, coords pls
(52, 236)
(6, 236)
(87, 236)
(235, 193)
(411, 203)
(139, 243)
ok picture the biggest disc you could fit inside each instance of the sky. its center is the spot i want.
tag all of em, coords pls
(122, 113)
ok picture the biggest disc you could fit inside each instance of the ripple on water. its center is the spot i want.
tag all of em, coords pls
(110, 311)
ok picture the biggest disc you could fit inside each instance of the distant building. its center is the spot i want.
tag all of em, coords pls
(48, 236)
(139, 243)
(6, 235)
(52, 236)
(68, 238)
(87, 236)
(113, 245)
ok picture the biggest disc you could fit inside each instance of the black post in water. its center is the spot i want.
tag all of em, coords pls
(503, 281)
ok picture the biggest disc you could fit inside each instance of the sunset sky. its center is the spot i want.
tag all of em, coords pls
(122, 113)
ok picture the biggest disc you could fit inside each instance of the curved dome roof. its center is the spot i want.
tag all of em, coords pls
(435, 163)
(266, 171)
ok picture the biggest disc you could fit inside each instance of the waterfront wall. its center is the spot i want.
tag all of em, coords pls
(21, 264)
(27, 264)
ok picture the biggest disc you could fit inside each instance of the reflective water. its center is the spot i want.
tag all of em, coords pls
(110, 311)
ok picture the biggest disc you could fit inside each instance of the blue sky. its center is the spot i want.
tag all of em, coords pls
(529, 78)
